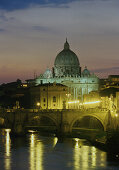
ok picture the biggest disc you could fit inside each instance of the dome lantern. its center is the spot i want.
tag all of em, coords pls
(66, 45)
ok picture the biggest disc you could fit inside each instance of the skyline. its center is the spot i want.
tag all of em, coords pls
(33, 33)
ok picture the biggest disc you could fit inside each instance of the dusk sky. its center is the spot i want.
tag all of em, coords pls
(33, 32)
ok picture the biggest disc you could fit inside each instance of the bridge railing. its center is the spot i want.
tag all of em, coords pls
(55, 110)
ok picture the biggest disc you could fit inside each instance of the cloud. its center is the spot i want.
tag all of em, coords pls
(2, 30)
(4, 17)
(105, 72)
(106, 69)
(40, 28)
(10, 5)
(22, 4)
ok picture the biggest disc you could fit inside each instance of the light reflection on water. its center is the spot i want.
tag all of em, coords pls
(7, 150)
(86, 157)
(35, 152)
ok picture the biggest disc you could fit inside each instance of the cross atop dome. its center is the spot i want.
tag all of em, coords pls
(66, 45)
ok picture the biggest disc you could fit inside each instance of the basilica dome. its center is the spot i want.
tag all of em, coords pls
(66, 62)
(66, 57)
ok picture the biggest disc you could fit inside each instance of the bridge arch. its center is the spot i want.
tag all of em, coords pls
(44, 120)
(49, 118)
(81, 117)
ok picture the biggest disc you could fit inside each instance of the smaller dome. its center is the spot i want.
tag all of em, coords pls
(48, 73)
(86, 72)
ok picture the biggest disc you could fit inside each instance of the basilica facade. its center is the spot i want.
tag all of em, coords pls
(67, 71)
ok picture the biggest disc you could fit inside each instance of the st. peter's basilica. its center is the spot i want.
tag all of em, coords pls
(67, 71)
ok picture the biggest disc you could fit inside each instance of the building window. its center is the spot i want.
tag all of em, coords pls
(54, 99)
(44, 100)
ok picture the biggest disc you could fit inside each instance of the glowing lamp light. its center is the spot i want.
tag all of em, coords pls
(68, 94)
(8, 130)
(25, 85)
(38, 104)
(77, 101)
(92, 102)
(76, 139)
(31, 131)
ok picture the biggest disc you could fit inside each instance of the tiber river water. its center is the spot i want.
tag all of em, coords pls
(36, 152)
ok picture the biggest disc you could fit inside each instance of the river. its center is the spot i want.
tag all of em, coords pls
(36, 152)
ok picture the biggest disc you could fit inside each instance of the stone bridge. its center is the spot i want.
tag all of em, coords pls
(63, 120)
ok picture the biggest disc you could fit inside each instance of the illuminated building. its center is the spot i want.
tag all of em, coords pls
(113, 78)
(49, 96)
(67, 71)
(110, 90)
(90, 98)
(111, 82)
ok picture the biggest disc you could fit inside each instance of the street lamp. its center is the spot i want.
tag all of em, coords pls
(38, 104)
